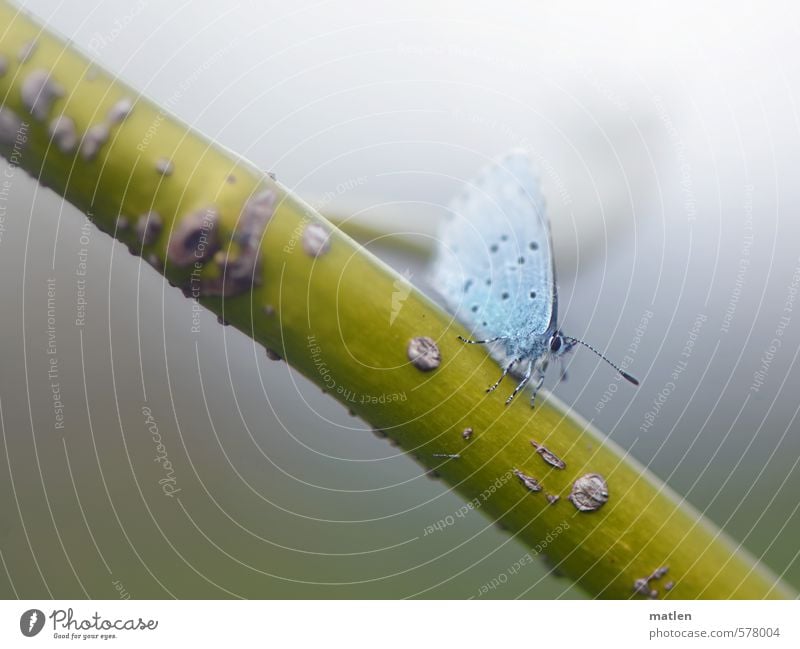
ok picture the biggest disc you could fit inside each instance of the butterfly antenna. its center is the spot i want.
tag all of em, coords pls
(624, 374)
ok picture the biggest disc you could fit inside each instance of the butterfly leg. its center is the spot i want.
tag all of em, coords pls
(562, 370)
(502, 376)
(522, 383)
(536, 387)
(479, 342)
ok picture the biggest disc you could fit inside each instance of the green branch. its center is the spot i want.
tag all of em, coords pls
(269, 265)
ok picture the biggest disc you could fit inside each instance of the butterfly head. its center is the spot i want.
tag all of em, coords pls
(560, 344)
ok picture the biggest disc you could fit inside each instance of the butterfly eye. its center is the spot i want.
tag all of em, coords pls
(555, 343)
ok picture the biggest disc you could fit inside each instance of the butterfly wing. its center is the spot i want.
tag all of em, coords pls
(494, 265)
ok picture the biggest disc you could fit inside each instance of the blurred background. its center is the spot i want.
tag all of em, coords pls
(668, 141)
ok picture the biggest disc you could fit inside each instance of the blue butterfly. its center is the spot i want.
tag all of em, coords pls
(494, 268)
